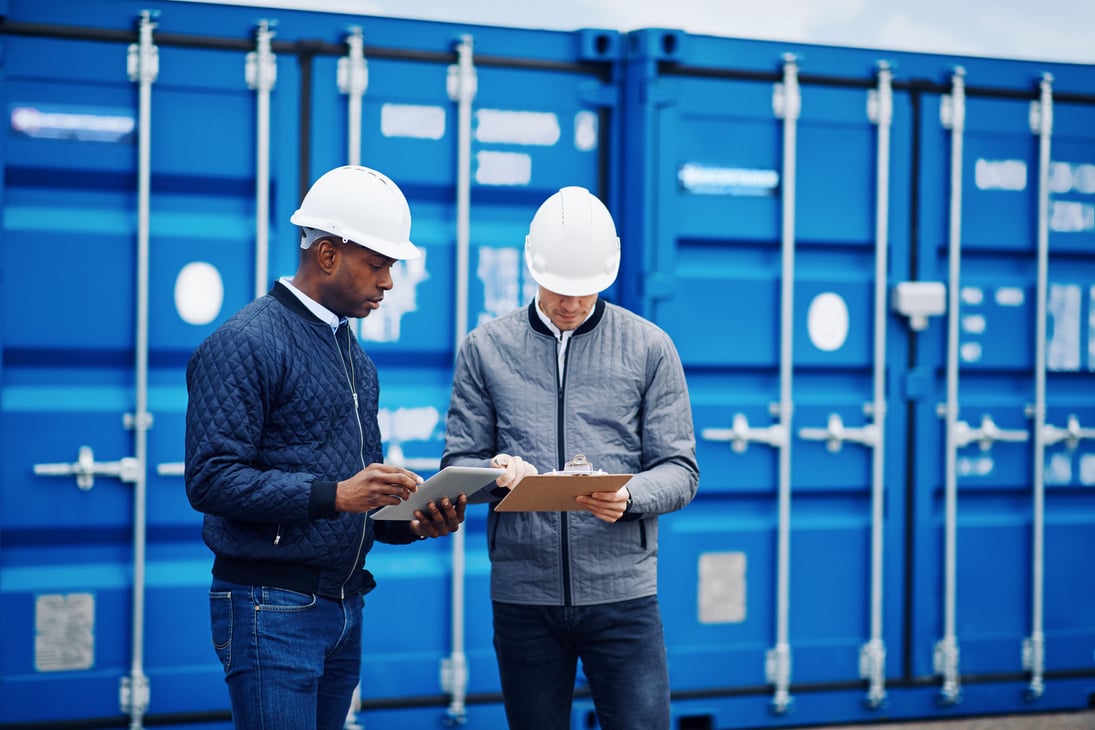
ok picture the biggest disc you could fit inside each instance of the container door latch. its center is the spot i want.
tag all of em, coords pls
(85, 469)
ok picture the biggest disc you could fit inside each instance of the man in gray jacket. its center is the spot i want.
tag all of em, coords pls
(532, 389)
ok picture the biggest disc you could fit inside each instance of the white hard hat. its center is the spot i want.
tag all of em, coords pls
(361, 205)
(572, 247)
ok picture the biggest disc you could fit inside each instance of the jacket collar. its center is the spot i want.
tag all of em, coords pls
(292, 302)
(537, 324)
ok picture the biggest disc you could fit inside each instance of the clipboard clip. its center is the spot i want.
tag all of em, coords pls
(578, 465)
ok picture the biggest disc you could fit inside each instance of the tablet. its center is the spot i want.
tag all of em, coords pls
(451, 482)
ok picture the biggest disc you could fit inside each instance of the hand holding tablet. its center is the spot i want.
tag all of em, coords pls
(451, 482)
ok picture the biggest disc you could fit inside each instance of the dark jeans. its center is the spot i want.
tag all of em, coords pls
(291, 660)
(622, 650)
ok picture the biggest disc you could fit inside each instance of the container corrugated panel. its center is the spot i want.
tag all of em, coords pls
(795, 210)
(541, 119)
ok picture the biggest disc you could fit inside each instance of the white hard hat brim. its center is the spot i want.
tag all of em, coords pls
(399, 250)
(570, 286)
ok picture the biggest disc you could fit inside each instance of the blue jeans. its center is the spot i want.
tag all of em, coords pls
(291, 660)
(622, 650)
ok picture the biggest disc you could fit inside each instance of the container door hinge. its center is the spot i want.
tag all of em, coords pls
(454, 682)
(261, 67)
(1041, 110)
(134, 694)
(945, 663)
(880, 100)
(462, 81)
(787, 95)
(1034, 661)
(659, 92)
(85, 469)
(597, 94)
(143, 58)
(777, 671)
(872, 667)
(353, 69)
(952, 107)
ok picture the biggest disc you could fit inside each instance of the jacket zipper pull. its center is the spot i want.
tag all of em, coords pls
(277, 536)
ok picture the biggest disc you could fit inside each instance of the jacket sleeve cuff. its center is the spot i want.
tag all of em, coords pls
(321, 505)
(394, 532)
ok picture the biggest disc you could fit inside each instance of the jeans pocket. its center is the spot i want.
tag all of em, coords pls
(283, 599)
(220, 620)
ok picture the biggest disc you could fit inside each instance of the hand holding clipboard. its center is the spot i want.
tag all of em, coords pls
(556, 491)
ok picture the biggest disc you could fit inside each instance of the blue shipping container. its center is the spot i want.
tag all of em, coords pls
(877, 268)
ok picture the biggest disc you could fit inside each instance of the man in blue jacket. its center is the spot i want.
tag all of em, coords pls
(283, 457)
(532, 389)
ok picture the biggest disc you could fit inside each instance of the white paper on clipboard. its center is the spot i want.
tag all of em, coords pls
(451, 482)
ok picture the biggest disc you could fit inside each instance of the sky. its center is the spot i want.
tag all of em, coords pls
(1046, 30)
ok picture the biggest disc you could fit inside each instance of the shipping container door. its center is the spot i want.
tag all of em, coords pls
(94, 347)
(759, 212)
(538, 109)
(241, 123)
(1003, 501)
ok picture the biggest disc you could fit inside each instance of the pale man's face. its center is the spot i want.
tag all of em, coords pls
(566, 313)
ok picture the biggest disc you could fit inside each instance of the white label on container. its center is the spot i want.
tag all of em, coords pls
(713, 180)
(416, 121)
(499, 271)
(1070, 216)
(408, 424)
(386, 324)
(502, 126)
(1058, 469)
(972, 295)
(1087, 469)
(1065, 177)
(970, 351)
(1000, 175)
(64, 626)
(1063, 337)
(974, 324)
(82, 126)
(975, 466)
(586, 130)
(722, 588)
(503, 168)
(827, 322)
(1009, 296)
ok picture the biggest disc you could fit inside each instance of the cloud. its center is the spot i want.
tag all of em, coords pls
(1051, 30)
(903, 33)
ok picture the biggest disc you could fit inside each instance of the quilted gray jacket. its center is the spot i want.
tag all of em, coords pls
(623, 403)
(270, 429)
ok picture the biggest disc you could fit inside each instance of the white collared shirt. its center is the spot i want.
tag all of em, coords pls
(313, 306)
(561, 337)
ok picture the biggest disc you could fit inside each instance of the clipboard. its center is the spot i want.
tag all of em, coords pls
(555, 491)
(451, 482)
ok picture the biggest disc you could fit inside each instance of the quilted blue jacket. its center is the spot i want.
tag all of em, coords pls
(280, 409)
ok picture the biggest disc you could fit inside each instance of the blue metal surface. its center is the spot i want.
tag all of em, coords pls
(70, 196)
(707, 206)
(680, 135)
